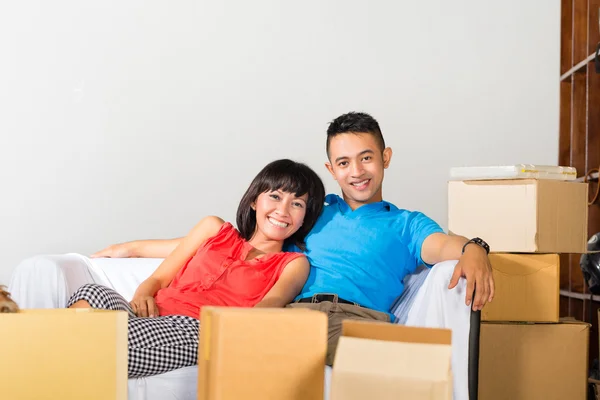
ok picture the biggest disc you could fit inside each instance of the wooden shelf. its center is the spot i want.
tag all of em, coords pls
(578, 67)
(579, 143)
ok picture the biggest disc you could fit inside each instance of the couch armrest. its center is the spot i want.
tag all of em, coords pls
(48, 281)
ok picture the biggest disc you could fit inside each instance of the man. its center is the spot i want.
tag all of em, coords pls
(363, 247)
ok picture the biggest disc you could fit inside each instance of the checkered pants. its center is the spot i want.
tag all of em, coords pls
(156, 345)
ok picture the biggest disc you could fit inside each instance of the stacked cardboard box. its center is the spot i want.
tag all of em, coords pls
(593, 380)
(526, 352)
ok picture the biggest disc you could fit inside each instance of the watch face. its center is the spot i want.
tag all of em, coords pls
(481, 243)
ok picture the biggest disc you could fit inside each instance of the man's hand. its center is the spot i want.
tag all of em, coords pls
(475, 266)
(120, 250)
(144, 306)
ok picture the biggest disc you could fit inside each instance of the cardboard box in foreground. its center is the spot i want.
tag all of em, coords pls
(533, 361)
(261, 353)
(526, 288)
(382, 361)
(63, 354)
(521, 216)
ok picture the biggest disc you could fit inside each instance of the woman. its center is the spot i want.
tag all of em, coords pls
(215, 264)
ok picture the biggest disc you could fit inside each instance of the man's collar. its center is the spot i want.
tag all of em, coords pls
(331, 199)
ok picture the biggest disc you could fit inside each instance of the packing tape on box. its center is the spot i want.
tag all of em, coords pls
(536, 171)
(205, 327)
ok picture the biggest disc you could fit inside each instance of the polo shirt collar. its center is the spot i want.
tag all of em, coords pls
(345, 209)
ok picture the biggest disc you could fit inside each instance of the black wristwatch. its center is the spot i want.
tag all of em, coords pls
(479, 242)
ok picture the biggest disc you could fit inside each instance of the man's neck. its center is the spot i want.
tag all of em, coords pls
(354, 205)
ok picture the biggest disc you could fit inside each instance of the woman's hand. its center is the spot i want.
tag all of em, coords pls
(120, 250)
(144, 306)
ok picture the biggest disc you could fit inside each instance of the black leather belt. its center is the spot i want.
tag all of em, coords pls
(320, 297)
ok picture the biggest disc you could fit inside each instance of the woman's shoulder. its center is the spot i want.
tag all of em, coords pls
(298, 258)
(212, 224)
(293, 257)
(295, 261)
(213, 220)
(208, 227)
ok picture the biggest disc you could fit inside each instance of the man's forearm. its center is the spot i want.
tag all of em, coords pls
(440, 247)
(452, 248)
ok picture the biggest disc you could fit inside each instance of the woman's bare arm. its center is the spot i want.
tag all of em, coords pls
(153, 248)
(142, 302)
(289, 284)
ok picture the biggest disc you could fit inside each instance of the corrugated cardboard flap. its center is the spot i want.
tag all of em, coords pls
(418, 361)
(228, 321)
(573, 321)
(535, 262)
(384, 369)
(387, 361)
(261, 353)
(499, 182)
(396, 333)
(562, 321)
(527, 288)
(556, 209)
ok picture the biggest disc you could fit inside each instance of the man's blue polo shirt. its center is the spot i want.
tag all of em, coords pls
(364, 255)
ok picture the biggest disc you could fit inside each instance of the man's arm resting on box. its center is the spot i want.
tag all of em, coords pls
(474, 265)
(154, 248)
(288, 285)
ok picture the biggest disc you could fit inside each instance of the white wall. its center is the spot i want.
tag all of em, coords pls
(133, 119)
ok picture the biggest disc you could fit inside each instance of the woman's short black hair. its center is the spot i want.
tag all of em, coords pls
(291, 177)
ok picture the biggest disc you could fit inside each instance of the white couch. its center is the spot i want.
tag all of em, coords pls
(48, 281)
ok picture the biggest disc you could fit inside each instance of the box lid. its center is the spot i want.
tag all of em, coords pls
(394, 332)
(524, 171)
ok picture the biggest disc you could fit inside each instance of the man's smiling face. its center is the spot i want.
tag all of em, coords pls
(357, 163)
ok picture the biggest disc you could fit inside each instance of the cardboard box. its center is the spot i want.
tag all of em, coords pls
(595, 383)
(521, 216)
(376, 360)
(63, 354)
(533, 361)
(526, 288)
(261, 353)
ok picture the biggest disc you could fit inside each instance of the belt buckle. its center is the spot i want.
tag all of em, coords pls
(318, 297)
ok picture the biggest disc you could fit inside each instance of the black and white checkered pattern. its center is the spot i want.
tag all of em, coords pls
(156, 345)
